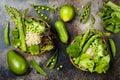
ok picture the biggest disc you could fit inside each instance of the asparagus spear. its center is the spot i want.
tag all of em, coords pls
(17, 18)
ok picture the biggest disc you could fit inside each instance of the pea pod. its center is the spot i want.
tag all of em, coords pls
(52, 61)
(85, 15)
(37, 7)
(6, 34)
(113, 47)
(87, 33)
(86, 46)
(61, 30)
(37, 67)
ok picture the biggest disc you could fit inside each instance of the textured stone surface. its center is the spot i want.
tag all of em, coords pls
(74, 28)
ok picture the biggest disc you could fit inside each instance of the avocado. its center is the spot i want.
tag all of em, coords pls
(17, 63)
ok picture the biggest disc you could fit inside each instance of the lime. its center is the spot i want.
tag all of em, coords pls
(67, 13)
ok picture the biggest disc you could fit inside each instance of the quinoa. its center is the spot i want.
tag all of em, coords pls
(32, 38)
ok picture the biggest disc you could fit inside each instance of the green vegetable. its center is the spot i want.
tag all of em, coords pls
(96, 58)
(74, 49)
(111, 17)
(15, 34)
(86, 63)
(34, 49)
(6, 34)
(24, 13)
(16, 43)
(52, 61)
(86, 46)
(36, 31)
(47, 48)
(101, 33)
(34, 25)
(86, 35)
(37, 7)
(93, 55)
(23, 17)
(103, 64)
(85, 15)
(17, 18)
(17, 63)
(76, 60)
(67, 12)
(60, 67)
(37, 67)
(15, 38)
(113, 47)
(61, 30)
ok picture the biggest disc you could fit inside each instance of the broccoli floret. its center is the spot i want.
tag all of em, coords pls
(16, 43)
(15, 33)
(34, 49)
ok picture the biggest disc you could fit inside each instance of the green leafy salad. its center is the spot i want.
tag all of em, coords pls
(94, 55)
(111, 17)
(31, 35)
(89, 51)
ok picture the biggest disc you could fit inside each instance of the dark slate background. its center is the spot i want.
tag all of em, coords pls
(69, 72)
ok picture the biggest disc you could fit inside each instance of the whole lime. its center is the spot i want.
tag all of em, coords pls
(67, 13)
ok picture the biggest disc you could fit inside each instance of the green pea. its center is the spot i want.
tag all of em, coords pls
(38, 11)
(35, 8)
(41, 15)
(86, 46)
(58, 68)
(47, 9)
(39, 7)
(42, 7)
(45, 17)
(85, 15)
(52, 61)
(61, 66)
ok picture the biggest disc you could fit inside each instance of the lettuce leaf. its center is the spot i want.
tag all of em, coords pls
(74, 48)
(111, 17)
(103, 64)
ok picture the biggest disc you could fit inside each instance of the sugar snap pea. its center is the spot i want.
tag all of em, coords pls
(52, 61)
(86, 46)
(6, 34)
(86, 35)
(85, 15)
(37, 7)
(112, 46)
(37, 67)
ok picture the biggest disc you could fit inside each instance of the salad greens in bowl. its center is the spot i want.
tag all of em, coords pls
(89, 52)
(31, 35)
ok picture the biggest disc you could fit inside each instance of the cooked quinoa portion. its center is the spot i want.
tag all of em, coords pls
(32, 38)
